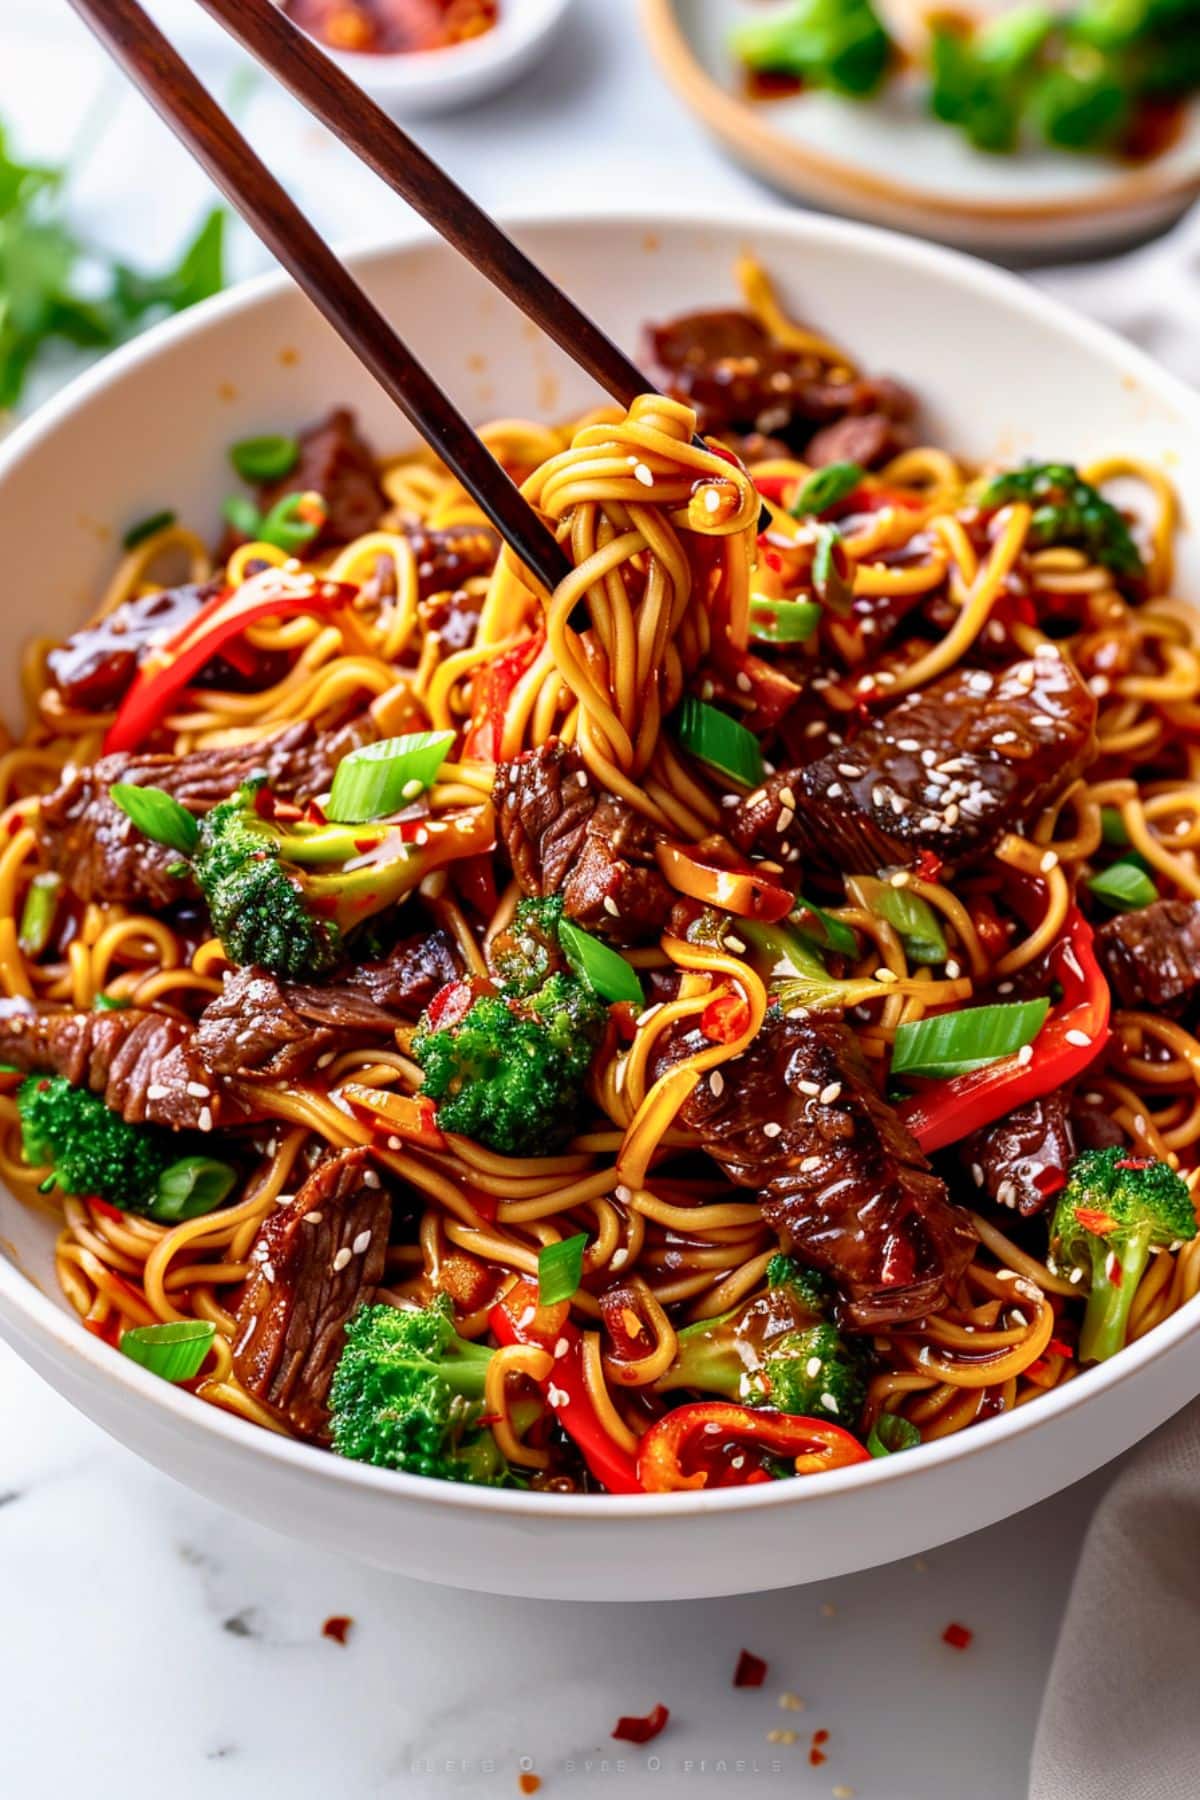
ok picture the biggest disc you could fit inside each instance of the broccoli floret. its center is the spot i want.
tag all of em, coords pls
(89, 1148)
(1066, 510)
(408, 1392)
(508, 1070)
(526, 954)
(839, 44)
(779, 1348)
(1113, 1211)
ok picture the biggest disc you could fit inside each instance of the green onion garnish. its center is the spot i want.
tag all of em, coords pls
(244, 516)
(891, 1433)
(39, 912)
(157, 815)
(825, 487)
(833, 935)
(560, 1269)
(110, 1003)
(914, 920)
(1125, 886)
(381, 778)
(720, 741)
(175, 1351)
(598, 967)
(1112, 827)
(955, 1043)
(148, 528)
(832, 579)
(189, 1188)
(783, 621)
(267, 458)
(286, 527)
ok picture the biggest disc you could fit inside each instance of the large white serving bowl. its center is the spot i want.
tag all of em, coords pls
(1002, 371)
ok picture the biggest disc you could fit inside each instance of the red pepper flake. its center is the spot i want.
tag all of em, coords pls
(640, 1731)
(337, 1627)
(957, 1636)
(816, 1755)
(1135, 1162)
(528, 1782)
(751, 1670)
(1093, 1220)
(928, 865)
(1050, 1182)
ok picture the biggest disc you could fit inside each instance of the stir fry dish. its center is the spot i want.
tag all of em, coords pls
(388, 27)
(718, 1022)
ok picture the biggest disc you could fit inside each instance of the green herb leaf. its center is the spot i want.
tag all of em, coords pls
(244, 516)
(783, 621)
(157, 815)
(560, 1269)
(1125, 886)
(267, 458)
(833, 934)
(39, 912)
(190, 1187)
(381, 778)
(175, 1351)
(148, 528)
(110, 1003)
(913, 919)
(198, 274)
(825, 487)
(891, 1433)
(1112, 827)
(720, 741)
(954, 1043)
(832, 577)
(597, 966)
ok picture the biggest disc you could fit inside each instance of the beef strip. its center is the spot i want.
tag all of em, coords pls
(104, 857)
(315, 1262)
(96, 664)
(562, 836)
(1152, 956)
(1008, 1160)
(146, 1065)
(336, 463)
(407, 978)
(742, 382)
(949, 770)
(798, 1117)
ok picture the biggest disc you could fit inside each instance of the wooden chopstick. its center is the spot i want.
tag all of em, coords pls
(363, 126)
(141, 49)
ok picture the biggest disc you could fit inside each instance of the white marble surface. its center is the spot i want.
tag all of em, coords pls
(153, 1644)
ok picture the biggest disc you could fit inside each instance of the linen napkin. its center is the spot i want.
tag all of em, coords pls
(1117, 1722)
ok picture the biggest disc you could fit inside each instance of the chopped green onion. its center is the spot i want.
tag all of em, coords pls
(189, 1188)
(955, 1043)
(832, 577)
(1125, 886)
(381, 778)
(175, 1351)
(1112, 827)
(560, 1269)
(598, 967)
(834, 934)
(39, 912)
(285, 525)
(110, 1003)
(157, 815)
(825, 487)
(720, 741)
(267, 458)
(148, 528)
(244, 516)
(890, 1433)
(783, 621)
(914, 920)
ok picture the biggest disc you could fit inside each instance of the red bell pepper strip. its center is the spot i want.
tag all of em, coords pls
(273, 594)
(1074, 1034)
(813, 1444)
(518, 1319)
(494, 688)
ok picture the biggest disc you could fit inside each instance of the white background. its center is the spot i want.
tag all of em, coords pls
(153, 1645)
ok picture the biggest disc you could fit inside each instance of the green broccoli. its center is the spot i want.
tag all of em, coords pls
(1114, 1210)
(978, 80)
(408, 1392)
(1067, 510)
(92, 1150)
(838, 44)
(508, 1069)
(527, 953)
(780, 1348)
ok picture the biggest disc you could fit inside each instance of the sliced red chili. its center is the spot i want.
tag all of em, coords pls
(632, 1730)
(669, 1451)
(726, 1018)
(751, 1670)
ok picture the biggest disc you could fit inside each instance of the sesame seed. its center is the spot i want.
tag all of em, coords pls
(712, 500)
(772, 1128)
(849, 771)
(617, 1260)
(561, 1347)
(785, 818)
(951, 814)
(611, 907)
(744, 683)
(313, 1218)
(810, 1164)
(1075, 1277)
(1025, 1055)
(953, 970)
(558, 1397)
(1004, 987)
(900, 879)
(204, 1119)
(1078, 1037)
(325, 1058)
(809, 1087)
(734, 943)
(198, 1090)
(412, 788)
(787, 796)
(370, 1179)
(829, 1403)
(834, 790)
(813, 1367)
(340, 1261)
(886, 975)
(909, 744)
(394, 1143)
(642, 474)
(791, 1703)
(362, 1243)
(777, 1736)
(581, 777)
(268, 1271)
(977, 1174)
(716, 1082)
(156, 1091)
(829, 1094)
(1048, 862)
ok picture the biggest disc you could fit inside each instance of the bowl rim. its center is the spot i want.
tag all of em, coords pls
(520, 26)
(738, 123)
(23, 1297)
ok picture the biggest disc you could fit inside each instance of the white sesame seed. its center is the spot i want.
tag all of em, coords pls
(886, 975)
(562, 1345)
(809, 1087)
(716, 1082)
(977, 1174)
(849, 771)
(788, 797)
(900, 879)
(712, 500)
(744, 683)
(642, 474)
(617, 1260)
(834, 790)
(313, 1218)
(340, 1261)
(1048, 862)
(829, 1094)
(786, 816)
(1075, 1277)
(558, 1397)
(810, 1165)
(581, 779)
(734, 943)
(829, 1403)
(198, 1090)
(362, 1243)
(772, 1128)
(268, 1271)
(394, 1143)
(909, 744)
(156, 1091)
(953, 970)
(204, 1119)
(1025, 1054)
(1004, 987)
(1078, 1037)
(611, 907)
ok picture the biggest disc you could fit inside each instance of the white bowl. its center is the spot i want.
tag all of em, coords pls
(417, 83)
(1002, 370)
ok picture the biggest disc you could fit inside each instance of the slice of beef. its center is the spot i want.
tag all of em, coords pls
(798, 1118)
(340, 466)
(564, 836)
(96, 664)
(407, 978)
(949, 770)
(1016, 1161)
(145, 1064)
(315, 1262)
(452, 554)
(1091, 1127)
(104, 857)
(1152, 957)
(864, 438)
(453, 618)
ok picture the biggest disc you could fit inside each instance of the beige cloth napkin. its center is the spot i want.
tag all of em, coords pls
(1118, 1721)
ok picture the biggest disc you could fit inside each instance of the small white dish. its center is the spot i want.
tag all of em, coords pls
(888, 161)
(417, 83)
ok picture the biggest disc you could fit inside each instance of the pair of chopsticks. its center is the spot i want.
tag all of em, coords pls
(146, 55)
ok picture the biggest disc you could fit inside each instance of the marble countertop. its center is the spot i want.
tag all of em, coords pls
(155, 1644)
